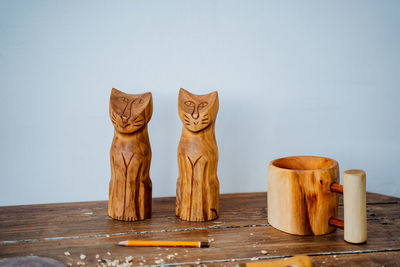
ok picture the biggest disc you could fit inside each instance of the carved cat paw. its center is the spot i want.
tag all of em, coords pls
(131, 218)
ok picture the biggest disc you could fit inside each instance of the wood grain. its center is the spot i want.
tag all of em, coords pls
(300, 201)
(197, 189)
(85, 228)
(130, 187)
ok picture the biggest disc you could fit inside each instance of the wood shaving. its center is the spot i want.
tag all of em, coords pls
(66, 253)
(264, 252)
(82, 256)
(97, 256)
(128, 259)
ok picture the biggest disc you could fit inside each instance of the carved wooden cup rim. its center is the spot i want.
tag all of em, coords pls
(304, 163)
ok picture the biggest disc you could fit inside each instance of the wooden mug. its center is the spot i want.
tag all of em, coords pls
(303, 199)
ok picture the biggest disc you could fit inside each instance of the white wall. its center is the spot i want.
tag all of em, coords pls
(294, 78)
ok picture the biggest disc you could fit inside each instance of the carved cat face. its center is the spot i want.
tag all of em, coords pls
(129, 112)
(197, 111)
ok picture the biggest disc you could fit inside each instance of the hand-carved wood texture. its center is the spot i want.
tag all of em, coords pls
(299, 197)
(197, 190)
(130, 185)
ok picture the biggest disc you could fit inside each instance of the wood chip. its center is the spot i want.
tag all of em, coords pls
(66, 253)
(82, 256)
(128, 259)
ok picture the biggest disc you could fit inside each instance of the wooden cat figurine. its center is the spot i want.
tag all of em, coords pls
(197, 189)
(130, 185)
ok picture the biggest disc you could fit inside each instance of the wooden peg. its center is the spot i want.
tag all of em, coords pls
(197, 189)
(338, 223)
(130, 185)
(337, 188)
(355, 211)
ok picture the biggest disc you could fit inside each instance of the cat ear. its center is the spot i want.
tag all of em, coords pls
(183, 94)
(115, 92)
(213, 97)
(146, 97)
(148, 102)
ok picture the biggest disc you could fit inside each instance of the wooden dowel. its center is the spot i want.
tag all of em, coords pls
(336, 223)
(355, 209)
(337, 188)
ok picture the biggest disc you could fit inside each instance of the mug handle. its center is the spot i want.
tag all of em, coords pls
(355, 208)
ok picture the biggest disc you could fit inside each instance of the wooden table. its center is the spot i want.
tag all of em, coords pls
(240, 234)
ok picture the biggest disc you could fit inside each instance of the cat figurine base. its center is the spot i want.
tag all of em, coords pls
(130, 185)
(197, 190)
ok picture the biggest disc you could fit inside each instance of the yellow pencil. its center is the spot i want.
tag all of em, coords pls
(149, 243)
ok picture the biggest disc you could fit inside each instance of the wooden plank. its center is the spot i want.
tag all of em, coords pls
(90, 218)
(241, 243)
(241, 233)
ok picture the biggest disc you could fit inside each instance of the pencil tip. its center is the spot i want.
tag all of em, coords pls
(204, 244)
